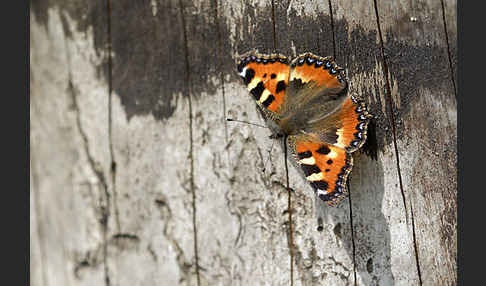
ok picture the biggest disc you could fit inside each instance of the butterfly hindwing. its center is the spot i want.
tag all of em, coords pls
(266, 77)
(354, 118)
(345, 128)
(326, 167)
(322, 105)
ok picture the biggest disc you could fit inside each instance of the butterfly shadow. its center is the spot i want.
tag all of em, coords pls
(359, 223)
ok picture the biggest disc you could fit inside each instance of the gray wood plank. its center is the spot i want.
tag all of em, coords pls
(426, 104)
(136, 227)
(68, 149)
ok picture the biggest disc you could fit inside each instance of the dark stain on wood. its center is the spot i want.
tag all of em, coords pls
(39, 9)
(370, 147)
(148, 64)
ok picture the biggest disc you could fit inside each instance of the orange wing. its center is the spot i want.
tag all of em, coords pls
(324, 71)
(266, 77)
(350, 119)
(326, 167)
(354, 117)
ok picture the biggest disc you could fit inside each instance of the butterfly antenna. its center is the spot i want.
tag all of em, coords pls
(258, 125)
(246, 122)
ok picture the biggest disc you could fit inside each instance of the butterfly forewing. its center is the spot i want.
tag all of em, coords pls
(316, 89)
(324, 71)
(266, 77)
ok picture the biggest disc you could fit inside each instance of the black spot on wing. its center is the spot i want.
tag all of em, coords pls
(327, 197)
(268, 101)
(323, 150)
(320, 185)
(250, 73)
(296, 84)
(303, 155)
(241, 65)
(310, 169)
(281, 86)
(257, 91)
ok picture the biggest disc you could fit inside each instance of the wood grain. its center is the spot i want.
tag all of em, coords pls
(134, 187)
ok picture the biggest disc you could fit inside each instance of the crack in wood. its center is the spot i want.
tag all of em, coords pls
(104, 200)
(221, 75)
(388, 93)
(289, 202)
(332, 29)
(188, 91)
(273, 27)
(237, 215)
(113, 164)
(347, 182)
(390, 105)
(167, 217)
(415, 247)
(352, 233)
(289, 192)
(448, 48)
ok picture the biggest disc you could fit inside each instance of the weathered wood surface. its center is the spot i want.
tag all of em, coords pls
(121, 144)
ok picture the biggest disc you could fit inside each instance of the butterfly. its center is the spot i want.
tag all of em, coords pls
(306, 101)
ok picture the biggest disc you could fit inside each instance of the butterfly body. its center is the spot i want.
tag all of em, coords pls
(306, 101)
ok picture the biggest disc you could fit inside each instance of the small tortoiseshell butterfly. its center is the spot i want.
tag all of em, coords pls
(306, 101)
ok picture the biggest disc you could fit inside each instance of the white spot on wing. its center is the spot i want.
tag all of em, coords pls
(296, 74)
(254, 82)
(315, 177)
(281, 76)
(321, 192)
(332, 154)
(264, 96)
(340, 139)
(308, 161)
(243, 72)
